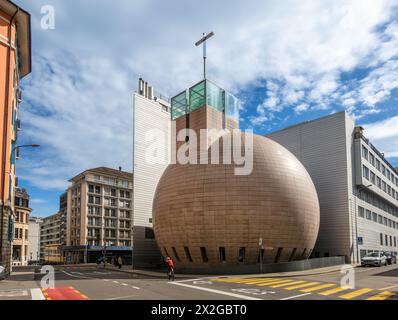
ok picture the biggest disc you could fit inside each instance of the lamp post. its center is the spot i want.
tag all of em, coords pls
(358, 190)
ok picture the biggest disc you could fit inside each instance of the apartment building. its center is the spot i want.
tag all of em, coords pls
(357, 186)
(99, 215)
(34, 239)
(15, 64)
(21, 228)
(151, 119)
(63, 202)
(50, 236)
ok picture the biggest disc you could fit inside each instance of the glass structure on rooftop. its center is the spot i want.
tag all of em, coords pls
(205, 93)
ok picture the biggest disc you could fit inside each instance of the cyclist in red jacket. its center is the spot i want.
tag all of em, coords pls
(170, 268)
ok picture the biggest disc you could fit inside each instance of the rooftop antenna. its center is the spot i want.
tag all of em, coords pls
(203, 40)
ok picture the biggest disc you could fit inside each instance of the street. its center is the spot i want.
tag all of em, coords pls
(93, 283)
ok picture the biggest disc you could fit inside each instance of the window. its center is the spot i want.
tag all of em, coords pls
(365, 172)
(390, 241)
(365, 152)
(242, 253)
(149, 234)
(368, 215)
(395, 241)
(292, 254)
(361, 212)
(372, 177)
(175, 253)
(278, 255)
(221, 251)
(372, 158)
(378, 182)
(90, 188)
(380, 219)
(381, 239)
(378, 164)
(383, 169)
(203, 253)
(188, 254)
(374, 216)
(386, 238)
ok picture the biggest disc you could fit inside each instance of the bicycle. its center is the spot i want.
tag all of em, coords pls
(170, 274)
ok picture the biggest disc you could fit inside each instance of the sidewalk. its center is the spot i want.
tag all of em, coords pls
(162, 274)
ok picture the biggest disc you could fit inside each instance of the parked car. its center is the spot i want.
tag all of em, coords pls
(374, 259)
(2, 273)
(391, 257)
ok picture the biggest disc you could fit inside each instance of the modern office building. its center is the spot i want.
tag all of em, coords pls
(15, 64)
(151, 119)
(99, 215)
(209, 218)
(356, 185)
(50, 236)
(21, 228)
(34, 240)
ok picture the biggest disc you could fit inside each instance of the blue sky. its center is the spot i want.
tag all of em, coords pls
(288, 61)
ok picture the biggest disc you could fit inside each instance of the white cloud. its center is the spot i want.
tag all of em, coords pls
(301, 108)
(85, 70)
(384, 135)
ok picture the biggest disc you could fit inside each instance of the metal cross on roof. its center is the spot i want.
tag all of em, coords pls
(203, 40)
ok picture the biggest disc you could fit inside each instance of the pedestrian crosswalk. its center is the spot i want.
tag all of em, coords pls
(331, 290)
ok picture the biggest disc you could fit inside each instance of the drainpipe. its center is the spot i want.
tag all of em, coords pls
(5, 126)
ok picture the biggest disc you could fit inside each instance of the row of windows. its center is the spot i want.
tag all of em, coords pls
(369, 156)
(373, 216)
(377, 181)
(378, 202)
(110, 202)
(19, 234)
(222, 255)
(108, 212)
(21, 217)
(109, 191)
(384, 240)
(112, 181)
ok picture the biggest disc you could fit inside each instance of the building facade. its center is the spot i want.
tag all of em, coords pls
(99, 215)
(15, 63)
(34, 240)
(151, 119)
(63, 203)
(357, 186)
(210, 216)
(21, 228)
(50, 236)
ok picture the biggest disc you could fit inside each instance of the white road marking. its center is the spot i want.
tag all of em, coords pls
(386, 288)
(115, 281)
(74, 276)
(300, 295)
(124, 284)
(37, 294)
(215, 291)
(124, 297)
(135, 287)
(202, 282)
(13, 293)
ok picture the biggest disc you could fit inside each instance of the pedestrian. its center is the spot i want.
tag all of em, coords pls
(120, 262)
(170, 268)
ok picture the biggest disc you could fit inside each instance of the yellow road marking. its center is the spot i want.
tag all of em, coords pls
(259, 281)
(287, 284)
(381, 296)
(273, 282)
(355, 293)
(332, 291)
(316, 288)
(302, 285)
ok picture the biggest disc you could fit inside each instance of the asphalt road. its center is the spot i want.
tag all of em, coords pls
(91, 283)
